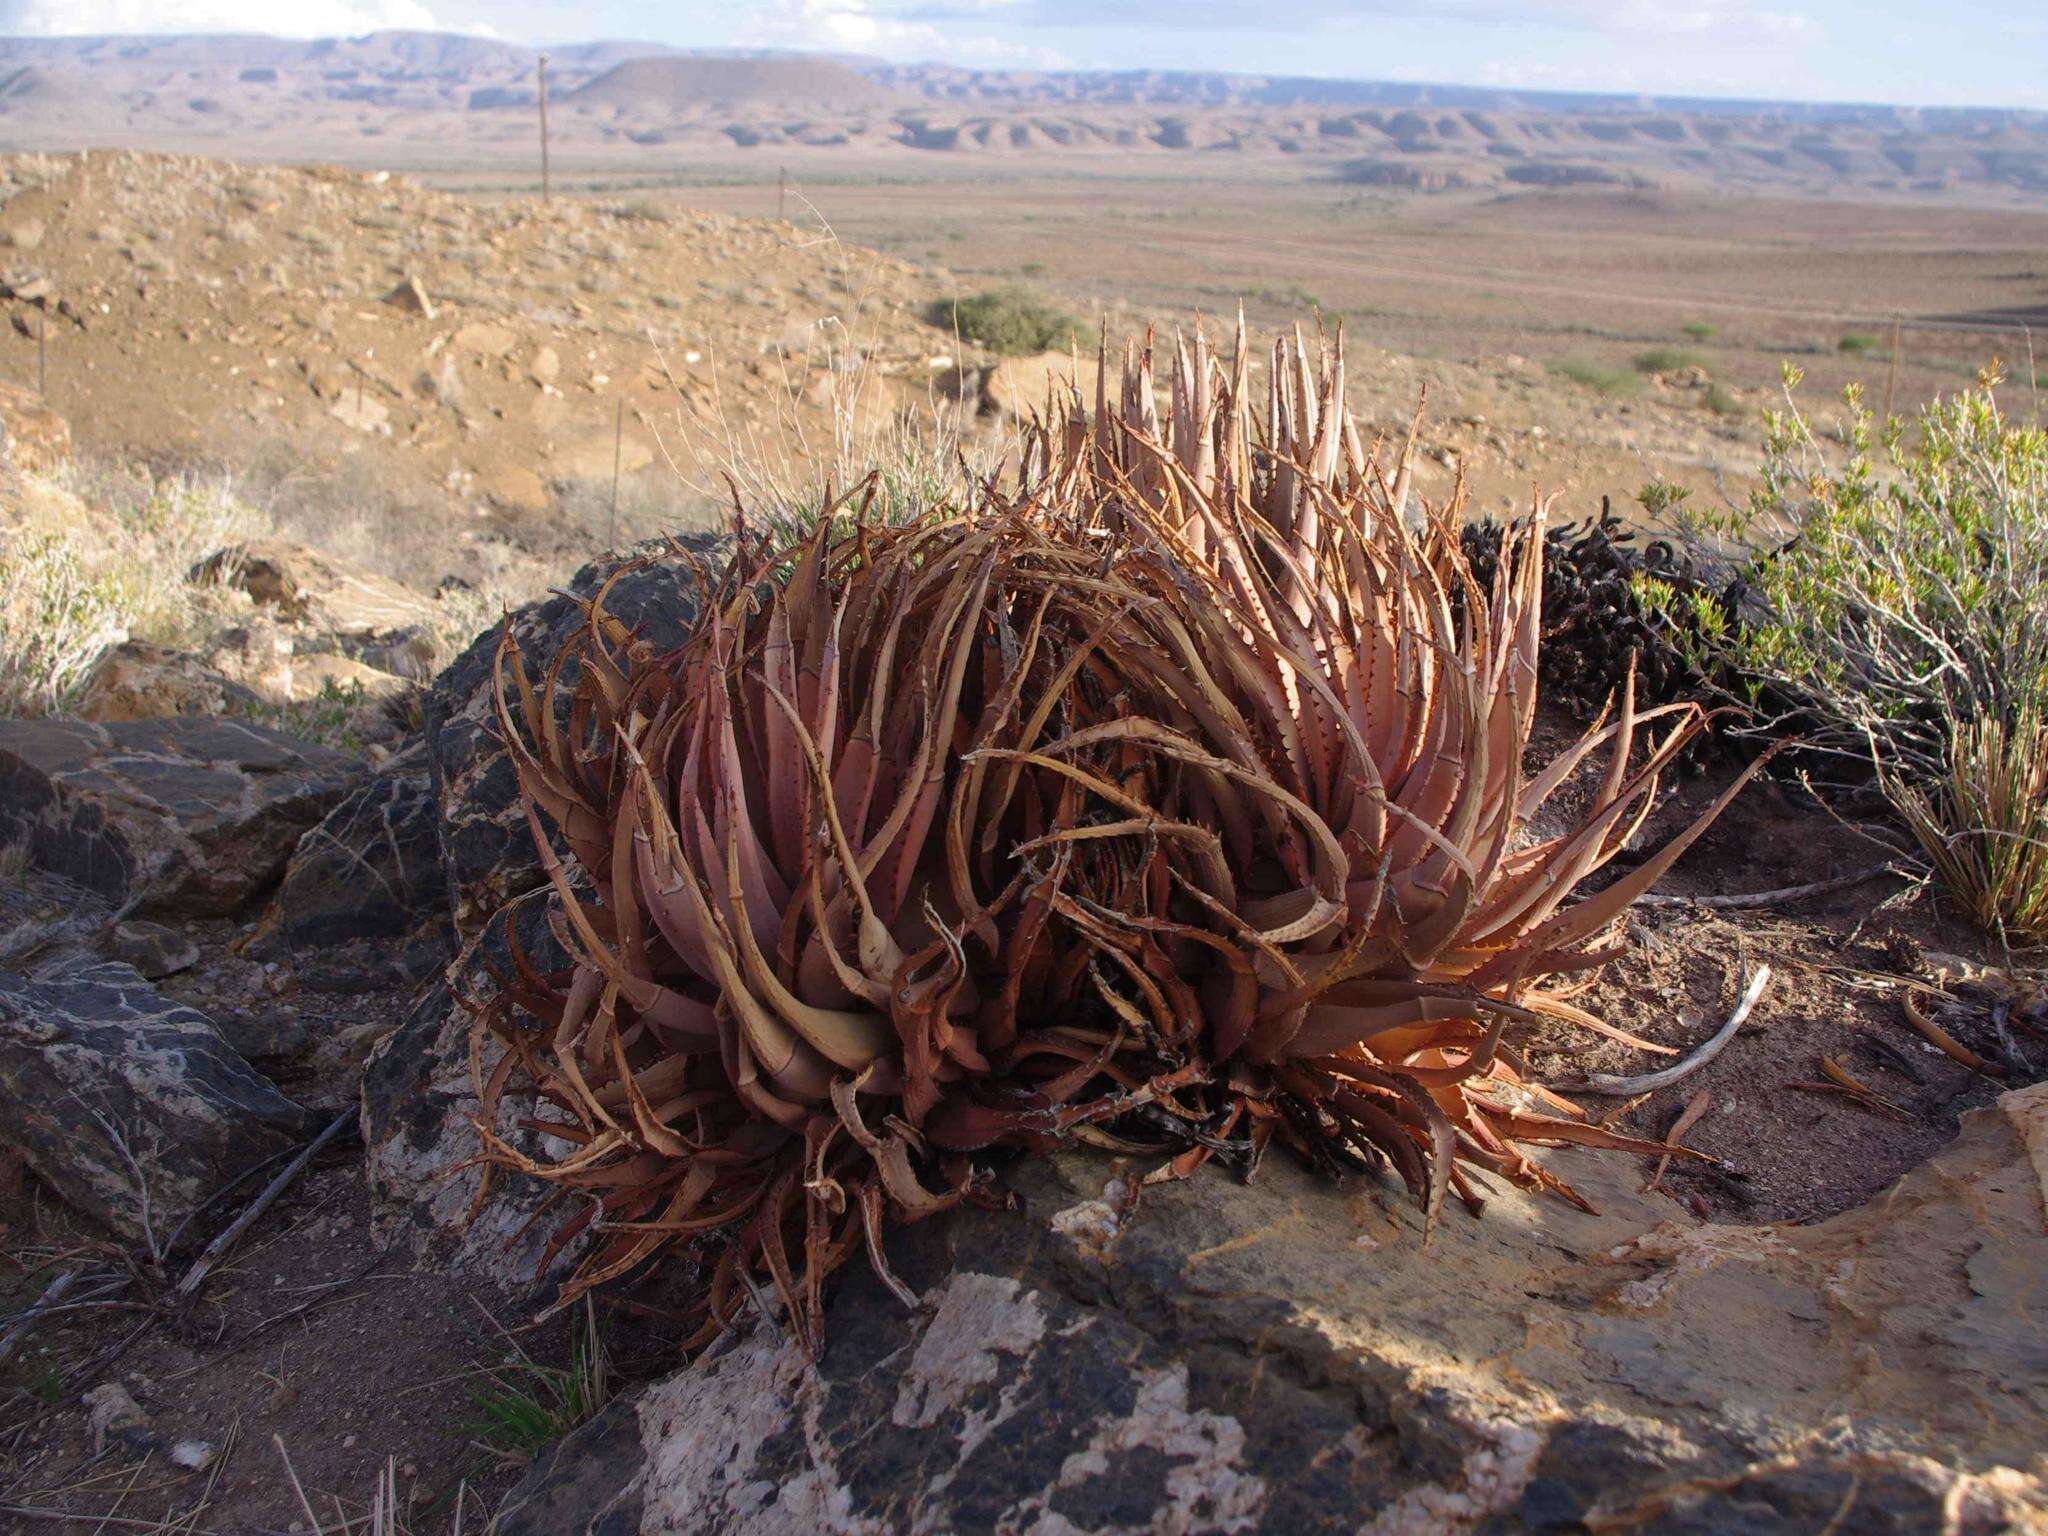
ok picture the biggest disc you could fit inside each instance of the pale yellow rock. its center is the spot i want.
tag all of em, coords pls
(2027, 1108)
(484, 338)
(515, 488)
(1019, 387)
(325, 675)
(138, 681)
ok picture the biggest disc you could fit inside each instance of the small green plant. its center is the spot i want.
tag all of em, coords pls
(523, 1407)
(1984, 827)
(1699, 331)
(1720, 401)
(1597, 377)
(332, 717)
(1854, 344)
(1663, 500)
(1010, 320)
(1668, 360)
(44, 1382)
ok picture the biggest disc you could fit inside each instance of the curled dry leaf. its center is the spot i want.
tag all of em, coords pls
(1170, 799)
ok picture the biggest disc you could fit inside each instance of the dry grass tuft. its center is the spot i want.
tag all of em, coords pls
(77, 578)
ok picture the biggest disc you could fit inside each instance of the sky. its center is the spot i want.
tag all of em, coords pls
(1926, 52)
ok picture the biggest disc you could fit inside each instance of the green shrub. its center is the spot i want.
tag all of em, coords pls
(1596, 376)
(1720, 401)
(1008, 320)
(1896, 620)
(1668, 360)
(1699, 331)
(1854, 343)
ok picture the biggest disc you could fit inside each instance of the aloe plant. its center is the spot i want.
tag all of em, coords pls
(1168, 799)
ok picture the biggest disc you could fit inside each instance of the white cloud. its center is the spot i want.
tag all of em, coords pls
(844, 26)
(1733, 19)
(894, 29)
(303, 18)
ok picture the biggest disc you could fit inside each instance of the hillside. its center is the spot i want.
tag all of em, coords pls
(666, 85)
(478, 366)
(410, 99)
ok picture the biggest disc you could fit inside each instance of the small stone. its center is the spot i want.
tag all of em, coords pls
(194, 1455)
(411, 296)
(114, 1414)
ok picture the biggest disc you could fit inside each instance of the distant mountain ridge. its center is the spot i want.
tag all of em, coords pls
(422, 98)
(425, 55)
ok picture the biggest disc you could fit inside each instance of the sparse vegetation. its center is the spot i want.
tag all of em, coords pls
(1721, 401)
(1897, 622)
(1012, 320)
(77, 578)
(1699, 330)
(522, 1407)
(1855, 343)
(1596, 376)
(1668, 360)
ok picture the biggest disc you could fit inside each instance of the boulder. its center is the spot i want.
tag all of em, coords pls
(363, 901)
(306, 587)
(138, 681)
(514, 488)
(154, 950)
(487, 850)
(35, 438)
(194, 817)
(131, 1108)
(1288, 1355)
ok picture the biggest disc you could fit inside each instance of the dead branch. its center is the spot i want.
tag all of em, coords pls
(219, 1247)
(1749, 901)
(1624, 1087)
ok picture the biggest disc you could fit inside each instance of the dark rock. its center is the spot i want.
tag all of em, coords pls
(487, 848)
(363, 902)
(191, 816)
(420, 1108)
(111, 1088)
(584, 1485)
(1287, 1356)
(267, 1037)
(153, 949)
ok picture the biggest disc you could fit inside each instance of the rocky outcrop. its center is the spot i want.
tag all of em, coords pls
(363, 901)
(487, 849)
(303, 586)
(1288, 1355)
(130, 1107)
(138, 681)
(193, 817)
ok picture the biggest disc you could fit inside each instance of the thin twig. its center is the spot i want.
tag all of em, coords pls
(219, 1247)
(304, 1503)
(1944, 1042)
(52, 1294)
(1749, 901)
(1688, 1117)
(1650, 1082)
